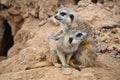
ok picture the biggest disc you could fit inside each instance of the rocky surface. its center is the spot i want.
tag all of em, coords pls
(31, 21)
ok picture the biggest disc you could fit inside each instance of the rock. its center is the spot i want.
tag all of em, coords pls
(42, 22)
(114, 52)
(54, 21)
(103, 48)
(118, 48)
(118, 56)
(83, 3)
(2, 58)
(18, 19)
(34, 13)
(6, 3)
(110, 48)
(67, 71)
(31, 21)
(14, 12)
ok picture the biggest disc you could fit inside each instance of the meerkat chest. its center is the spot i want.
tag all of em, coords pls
(70, 49)
(64, 27)
(66, 48)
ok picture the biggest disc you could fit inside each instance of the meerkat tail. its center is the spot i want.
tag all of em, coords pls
(74, 63)
(40, 64)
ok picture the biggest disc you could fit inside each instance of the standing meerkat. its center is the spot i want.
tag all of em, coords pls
(62, 49)
(70, 21)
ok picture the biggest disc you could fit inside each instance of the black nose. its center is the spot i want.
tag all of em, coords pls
(70, 40)
(56, 17)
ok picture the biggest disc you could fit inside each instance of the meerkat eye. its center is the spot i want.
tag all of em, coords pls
(79, 35)
(70, 40)
(71, 16)
(63, 13)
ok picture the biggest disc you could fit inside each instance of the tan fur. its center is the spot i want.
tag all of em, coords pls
(86, 51)
(88, 56)
(66, 49)
(62, 48)
(40, 64)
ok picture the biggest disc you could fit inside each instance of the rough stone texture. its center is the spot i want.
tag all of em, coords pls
(31, 21)
(51, 73)
(108, 25)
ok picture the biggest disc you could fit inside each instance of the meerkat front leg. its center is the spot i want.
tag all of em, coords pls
(57, 65)
(54, 57)
(62, 58)
(58, 33)
(69, 57)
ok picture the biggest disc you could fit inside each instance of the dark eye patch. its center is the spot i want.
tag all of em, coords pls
(62, 13)
(71, 16)
(70, 40)
(79, 35)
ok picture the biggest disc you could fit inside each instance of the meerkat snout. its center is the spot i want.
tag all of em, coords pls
(60, 15)
(59, 18)
(56, 17)
(64, 17)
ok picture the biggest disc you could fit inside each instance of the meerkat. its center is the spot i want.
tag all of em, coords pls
(86, 53)
(62, 49)
(67, 45)
(70, 21)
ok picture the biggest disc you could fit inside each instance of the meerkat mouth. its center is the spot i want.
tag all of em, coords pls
(57, 18)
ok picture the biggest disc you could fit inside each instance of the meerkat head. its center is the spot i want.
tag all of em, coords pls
(75, 37)
(65, 16)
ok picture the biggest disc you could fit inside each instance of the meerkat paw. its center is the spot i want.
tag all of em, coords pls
(57, 65)
(79, 67)
(66, 66)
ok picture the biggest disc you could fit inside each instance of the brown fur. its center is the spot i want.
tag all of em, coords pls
(62, 49)
(86, 53)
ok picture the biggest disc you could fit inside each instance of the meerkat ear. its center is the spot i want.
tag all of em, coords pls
(71, 16)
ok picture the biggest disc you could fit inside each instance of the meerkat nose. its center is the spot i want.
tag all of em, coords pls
(55, 17)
